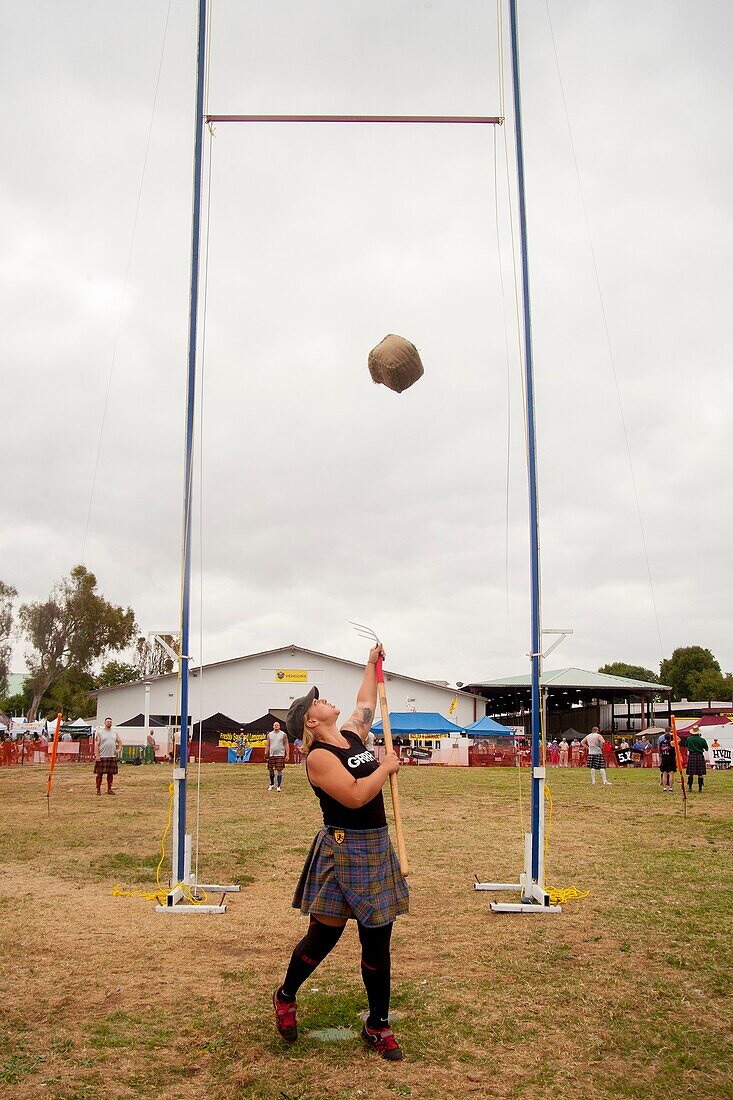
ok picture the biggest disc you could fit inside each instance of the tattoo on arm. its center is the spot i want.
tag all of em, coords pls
(361, 720)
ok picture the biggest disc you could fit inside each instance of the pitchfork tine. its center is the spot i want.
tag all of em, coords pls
(365, 631)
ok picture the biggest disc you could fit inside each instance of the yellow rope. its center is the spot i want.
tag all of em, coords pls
(559, 895)
(161, 893)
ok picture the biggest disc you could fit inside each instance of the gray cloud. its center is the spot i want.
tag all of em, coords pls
(326, 498)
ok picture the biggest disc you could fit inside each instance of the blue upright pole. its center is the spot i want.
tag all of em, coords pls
(534, 536)
(178, 869)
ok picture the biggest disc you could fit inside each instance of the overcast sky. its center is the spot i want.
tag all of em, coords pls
(324, 497)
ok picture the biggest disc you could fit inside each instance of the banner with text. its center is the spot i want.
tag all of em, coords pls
(249, 740)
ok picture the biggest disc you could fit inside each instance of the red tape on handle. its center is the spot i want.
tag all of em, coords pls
(378, 669)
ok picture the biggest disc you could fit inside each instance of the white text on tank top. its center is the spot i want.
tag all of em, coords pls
(365, 757)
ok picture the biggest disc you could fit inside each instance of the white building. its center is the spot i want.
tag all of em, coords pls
(244, 688)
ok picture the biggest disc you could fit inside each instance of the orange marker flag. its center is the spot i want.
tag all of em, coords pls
(52, 762)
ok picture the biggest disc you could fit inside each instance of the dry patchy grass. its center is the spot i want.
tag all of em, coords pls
(625, 995)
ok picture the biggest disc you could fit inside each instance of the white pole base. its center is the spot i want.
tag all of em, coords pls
(174, 902)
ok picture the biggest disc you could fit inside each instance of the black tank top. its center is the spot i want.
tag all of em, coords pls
(358, 761)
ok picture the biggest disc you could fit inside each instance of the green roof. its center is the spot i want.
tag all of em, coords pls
(577, 678)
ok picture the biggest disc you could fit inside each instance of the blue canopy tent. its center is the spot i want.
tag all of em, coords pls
(417, 723)
(487, 727)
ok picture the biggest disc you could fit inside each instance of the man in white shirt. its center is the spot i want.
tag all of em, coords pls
(276, 755)
(107, 747)
(594, 742)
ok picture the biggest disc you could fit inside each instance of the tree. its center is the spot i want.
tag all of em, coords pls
(632, 672)
(7, 596)
(683, 666)
(72, 629)
(117, 672)
(70, 695)
(709, 685)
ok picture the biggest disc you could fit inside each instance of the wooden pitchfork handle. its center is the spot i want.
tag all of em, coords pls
(386, 729)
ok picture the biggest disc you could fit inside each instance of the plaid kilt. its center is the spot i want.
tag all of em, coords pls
(596, 761)
(358, 878)
(106, 766)
(696, 764)
(275, 763)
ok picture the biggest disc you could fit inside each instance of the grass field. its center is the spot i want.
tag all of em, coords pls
(626, 994)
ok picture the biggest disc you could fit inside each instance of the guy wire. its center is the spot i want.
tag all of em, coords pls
(201, 492)
(201, 442)
(611, 355)
(124, 287)
(508, 402)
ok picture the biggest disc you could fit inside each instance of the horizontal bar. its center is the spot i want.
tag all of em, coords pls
(498, 886)
(208, 888)
(190, 908)
(471, 120)
(502, 907)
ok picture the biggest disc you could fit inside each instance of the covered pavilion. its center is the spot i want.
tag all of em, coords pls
(578, 698)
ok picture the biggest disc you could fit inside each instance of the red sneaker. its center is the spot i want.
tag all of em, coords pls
(285, 1020)
(383, 1041)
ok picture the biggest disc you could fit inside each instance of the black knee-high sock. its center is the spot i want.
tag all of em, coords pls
(699, 782)
(376, 972)
(689, 782)
(312, 950)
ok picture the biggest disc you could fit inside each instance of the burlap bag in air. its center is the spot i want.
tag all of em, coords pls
(395, 363)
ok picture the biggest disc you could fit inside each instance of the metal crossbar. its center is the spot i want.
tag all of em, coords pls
(455, 120)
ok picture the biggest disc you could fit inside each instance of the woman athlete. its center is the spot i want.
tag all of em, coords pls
(352, 870)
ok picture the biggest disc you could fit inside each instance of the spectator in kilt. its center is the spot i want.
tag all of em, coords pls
(697, 746)
(667, 760)
(351, 870)
(106, 747)
(276, 755)
(594, 742)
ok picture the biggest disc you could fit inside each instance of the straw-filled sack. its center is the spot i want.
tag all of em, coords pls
(395, 363)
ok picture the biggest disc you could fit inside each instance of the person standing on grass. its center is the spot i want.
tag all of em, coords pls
(276, 755)
(351, 871)
(107, 746)
(697, 746)
(563, 754)
(667, 760)
(594, 742)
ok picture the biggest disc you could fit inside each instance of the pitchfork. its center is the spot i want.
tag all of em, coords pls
(367, 632)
